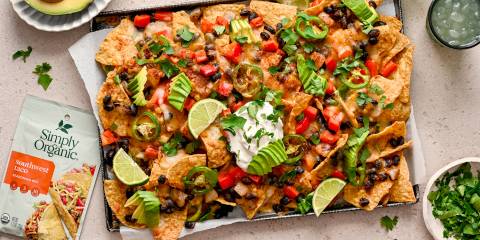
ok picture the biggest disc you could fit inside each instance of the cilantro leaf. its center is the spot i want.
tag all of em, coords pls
(44, 79)
(182, 63)
(24, 54)
(388, 223)
(314, 139)
(232, 122)
(241, 39)
(376, 89)
(304, 204)
(43, 68)
(363, 99)
(185, 35)
(308, 47)
(273, 69)
(168, 68)
(219, 30)
(171, 147)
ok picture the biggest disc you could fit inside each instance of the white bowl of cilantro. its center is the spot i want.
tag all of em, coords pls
(451, 203)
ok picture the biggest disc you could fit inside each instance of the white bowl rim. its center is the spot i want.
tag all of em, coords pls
(428, 188)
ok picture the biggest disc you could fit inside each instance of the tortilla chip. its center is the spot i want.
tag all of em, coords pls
(229, 11)
(182, 19)
(250, 207)
(325, 168)
(222, 201)
(181, 168)
(115, 193)
(315, 10)
(392, 22)
(378, 144)
(295, 103)
(216, 148)
(404, 71)
(273, 195)
(353, 194)
(273, 13)
(386, 42)
(119, 45)
(63, 212)
(119, 116)
(400, 112)
(391, 88)
(170, 226)
(402, 189)
(401, 43)
(50, 226)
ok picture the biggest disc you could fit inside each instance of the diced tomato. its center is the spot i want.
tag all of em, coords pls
(237, 173)
(108, 138)
(388, 69)
(329, 111)
(279, 170)
(151, 152)
(238, 105)
(80, 203)
(328, 138)
(291, 192)
(280, 52)
(344, 52)
(338, 174)
(92, 170)
(310, 113)
(64, 200)
(141, 21)
(233, 52)
(256, 22)
(270, 46)
(330, 87)
(256, 179)
(166, 33)
(315, 3)
(208, 70)
(189, 103)
(163, 16)
(226, 112)
(331, 64)
(225, 180)
(335, 121)
(221, 20)
(225, 88)
(201, 56)
(303, 125)
(372, 67)
(206, 26)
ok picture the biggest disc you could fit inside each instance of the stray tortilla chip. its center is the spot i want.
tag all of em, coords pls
(119, 45)
(115, 193)
(170, 226)
(315, 10)
(402, 189)
(378, 144)
(325, 168)
(296, 103)
(228, 11)
(216, 148)
(404, 71)
(250, 207)
(180, 20)
(273, 13)
(119, 116)
(353, 194)
(181, 168)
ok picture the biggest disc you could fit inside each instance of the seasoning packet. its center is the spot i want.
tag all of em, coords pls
(51, 171)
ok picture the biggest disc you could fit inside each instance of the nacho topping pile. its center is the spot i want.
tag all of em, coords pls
(295, 97)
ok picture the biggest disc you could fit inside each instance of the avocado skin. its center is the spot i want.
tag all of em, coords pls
(60, 8)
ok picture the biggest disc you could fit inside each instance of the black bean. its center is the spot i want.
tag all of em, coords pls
(133, 110)
(110, 153)
(363, 44)
(250, 196)
(374, 102)
(129, 192)
(373, 40)
(372, 4)
(396, 160)
(364, 202)
(372, 177)
(170, 203)
(279, 26)
(123, 143)
(277, 208)
(108, 107)
(374, 33)
(345, 125)
(124, 76)
(162, 179)
(388, 162)
(265, 36)
(379, 23)
(163, 208)
(378, 164)
(281, 42)
(269, 28)
(337, 15)
(272, 180)
(400, 140)
(169, 210)
(395, 142)
(371, 170)
(244, 12)
(216, 76)
(328, 9)
(364, 55)
(299, 170)
(284, 200)
(368, 184)
(190, 225)
(211, 54)
(289, 183)
(360, 119)
(246, 180)
(382, 177)
(252, 16)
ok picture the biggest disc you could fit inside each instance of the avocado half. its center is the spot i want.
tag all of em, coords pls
(62, 7)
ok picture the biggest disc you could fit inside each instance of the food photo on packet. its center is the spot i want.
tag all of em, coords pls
(204, 119)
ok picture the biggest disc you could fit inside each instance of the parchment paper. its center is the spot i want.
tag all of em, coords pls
(83, 54)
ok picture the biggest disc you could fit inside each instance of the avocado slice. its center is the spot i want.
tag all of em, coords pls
(179, 91)
(136, 86)
(61, 7)
(254, 168)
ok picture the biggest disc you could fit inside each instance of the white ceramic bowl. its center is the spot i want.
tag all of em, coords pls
(434, 226)
(59, 23)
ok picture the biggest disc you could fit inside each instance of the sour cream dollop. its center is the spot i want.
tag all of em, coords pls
(256, 133)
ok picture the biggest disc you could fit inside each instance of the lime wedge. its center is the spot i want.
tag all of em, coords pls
(127, 170)
(202, 114)
(325, 193)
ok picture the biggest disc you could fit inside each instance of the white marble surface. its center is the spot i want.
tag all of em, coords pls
(446, 100)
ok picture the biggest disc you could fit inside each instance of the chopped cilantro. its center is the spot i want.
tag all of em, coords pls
(168, 68)
(308, 47)
(290, 38)
(171, 147)
(277, 113)
(389, 223)
(363, 99)
(192, 146)
(252, 110)
(241, 39)
(290, 48)
(389, 106)
(383, 105)
(24, 54)
(273, 69)
(376, 89)
(44, 79)
(219, 30)
(182, 63)
(185, 35)
(314, 139)
(300, 117)
(232, 122)
(304, 204)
